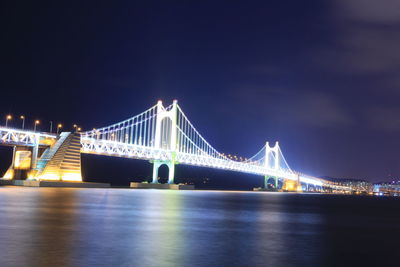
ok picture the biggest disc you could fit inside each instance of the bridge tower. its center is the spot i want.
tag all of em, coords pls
(165, 138)
(272, 161)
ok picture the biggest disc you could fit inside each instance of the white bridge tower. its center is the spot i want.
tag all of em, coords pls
(272, 161)
(165, 139)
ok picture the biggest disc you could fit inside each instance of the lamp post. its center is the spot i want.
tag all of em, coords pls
(59, 126)
(36, 123)
(8, 117)
(22, 117)
(51, 126)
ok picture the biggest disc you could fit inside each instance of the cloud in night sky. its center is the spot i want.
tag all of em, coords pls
(318, 109)
(386, 119)
(367, 39)
(370, 11)
(365, 44)
(309, 108)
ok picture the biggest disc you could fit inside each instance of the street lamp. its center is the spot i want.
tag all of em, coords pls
(36, 123)
(22, 117)
(51, 126)
(59, 126)
(8, 117)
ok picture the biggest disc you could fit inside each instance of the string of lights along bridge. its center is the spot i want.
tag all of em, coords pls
(162, 134)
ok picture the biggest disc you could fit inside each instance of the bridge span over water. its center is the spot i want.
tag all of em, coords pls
(162, 134)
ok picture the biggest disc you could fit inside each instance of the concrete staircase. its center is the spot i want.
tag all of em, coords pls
(62, 161)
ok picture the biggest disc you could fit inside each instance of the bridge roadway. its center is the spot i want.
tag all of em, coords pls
(118, 149)
(17, 137)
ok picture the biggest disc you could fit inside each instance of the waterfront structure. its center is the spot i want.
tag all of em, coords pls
(352, 186)
(387, 188)
(162, 135)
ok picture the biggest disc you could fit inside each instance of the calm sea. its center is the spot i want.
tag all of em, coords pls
(123, 227)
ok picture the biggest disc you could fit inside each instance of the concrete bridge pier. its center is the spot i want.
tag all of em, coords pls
(292, 185)
(304, 187)
(23, 161)
(171, 171)
(10, 171)
(267, 177)
(35, 153)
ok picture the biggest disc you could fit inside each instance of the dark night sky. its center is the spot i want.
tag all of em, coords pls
(322, 77)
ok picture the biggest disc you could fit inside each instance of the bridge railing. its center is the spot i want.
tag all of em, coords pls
(12, 136)
(136, 137)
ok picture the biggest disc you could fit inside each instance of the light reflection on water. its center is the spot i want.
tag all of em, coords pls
(124, 227)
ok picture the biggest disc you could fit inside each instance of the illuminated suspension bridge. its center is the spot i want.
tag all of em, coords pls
(162, 135)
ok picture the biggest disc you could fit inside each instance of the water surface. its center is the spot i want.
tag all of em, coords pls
(124, 227)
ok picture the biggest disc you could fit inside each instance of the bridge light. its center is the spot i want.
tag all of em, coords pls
(59, 126)
(8, 117)
(36, 123)
(22, 117)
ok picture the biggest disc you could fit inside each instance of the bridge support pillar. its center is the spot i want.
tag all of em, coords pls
(291, 186)
(155, 173)
(21, 162)
(10, 171)
(299, 188)
(35, 153)
(171, 171)
(267, 177)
